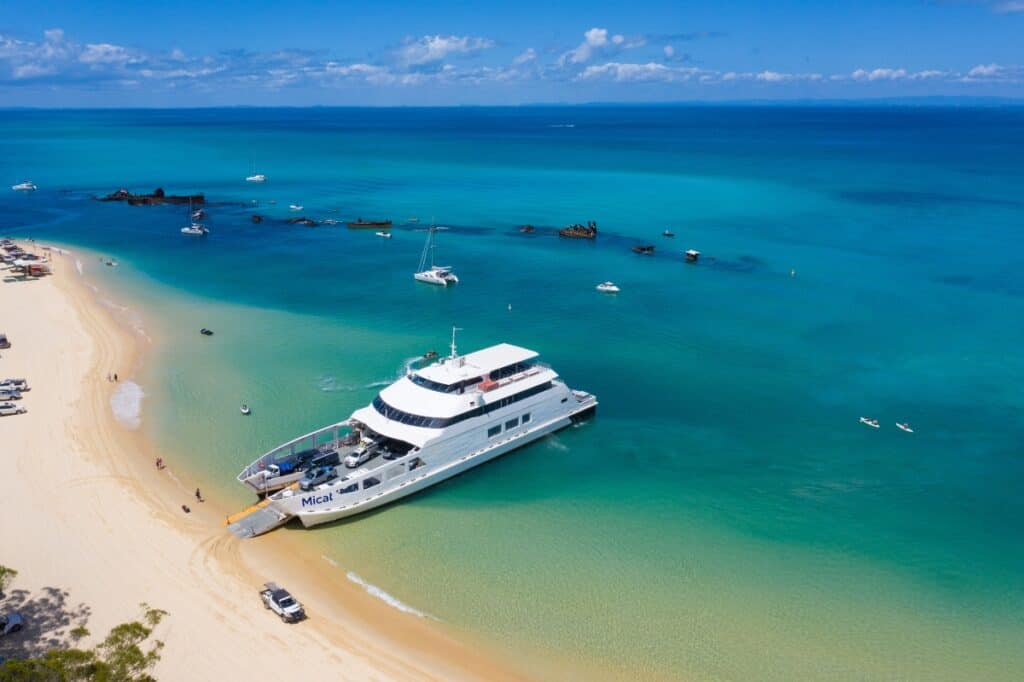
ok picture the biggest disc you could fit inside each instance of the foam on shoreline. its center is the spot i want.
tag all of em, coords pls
(388, 599)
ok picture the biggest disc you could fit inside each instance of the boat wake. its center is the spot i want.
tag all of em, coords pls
(391, 601)
(555, 444)
(330, 384)
(126, 404)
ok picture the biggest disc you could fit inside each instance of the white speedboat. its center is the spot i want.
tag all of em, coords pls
(437, 421)
(26, 186)
(873, 423)
(258, 177)
(244, 409)
(441, 275)
(607, 288)
(904, 427)
(295, 207)
(384, 235)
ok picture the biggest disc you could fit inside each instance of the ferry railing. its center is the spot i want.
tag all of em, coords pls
(275, 455)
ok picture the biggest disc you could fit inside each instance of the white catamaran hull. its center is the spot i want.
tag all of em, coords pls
(433, 423)
(432, 477)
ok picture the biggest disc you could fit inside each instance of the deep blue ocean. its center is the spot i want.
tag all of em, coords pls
(725, 515)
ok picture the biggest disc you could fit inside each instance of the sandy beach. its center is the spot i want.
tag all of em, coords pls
(88, 513)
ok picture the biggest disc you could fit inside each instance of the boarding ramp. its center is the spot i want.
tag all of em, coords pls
(256, 520)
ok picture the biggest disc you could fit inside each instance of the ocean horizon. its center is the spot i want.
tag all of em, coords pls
(725, 515)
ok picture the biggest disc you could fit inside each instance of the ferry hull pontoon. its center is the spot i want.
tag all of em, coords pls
(482, 406)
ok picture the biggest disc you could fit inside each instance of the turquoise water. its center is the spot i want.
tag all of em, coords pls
(724, 516)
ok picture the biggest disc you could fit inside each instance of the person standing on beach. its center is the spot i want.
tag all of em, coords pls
(199, 495)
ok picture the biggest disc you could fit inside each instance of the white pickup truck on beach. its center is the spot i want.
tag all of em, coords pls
(278, 600)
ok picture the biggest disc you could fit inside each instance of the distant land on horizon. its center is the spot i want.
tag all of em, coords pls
(920, 101)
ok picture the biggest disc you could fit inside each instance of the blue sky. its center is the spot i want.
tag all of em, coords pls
(434, 53)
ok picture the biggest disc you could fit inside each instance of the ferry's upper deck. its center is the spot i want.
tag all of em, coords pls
(451, 371)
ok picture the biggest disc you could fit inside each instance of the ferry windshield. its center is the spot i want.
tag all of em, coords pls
(398, 415)
(457, 387)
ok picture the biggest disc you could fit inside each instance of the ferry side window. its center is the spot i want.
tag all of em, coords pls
(494, 431)
(511, 424)
(526, 417)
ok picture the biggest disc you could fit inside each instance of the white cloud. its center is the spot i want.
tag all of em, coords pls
(429, 49)
(24, 71)
(371, 73)
(864, 75)
(527, 55)
(984, 71)
(773, 76)
(878, 74)
(104, 53)
(636, 73)
(1009, 7)
(669, 51)
(598, 42)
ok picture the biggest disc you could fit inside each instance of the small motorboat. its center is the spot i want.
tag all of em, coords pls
(384, 235)
(644, 249)
(692, 255)
(668, 233)
(527, 229)
(430, 355)
(198, 214)
(244, 409)
(258, 177)
(607, 288)
(295, 207)
(26, 186)
(873, 423)
(904, 427)
(206, 332)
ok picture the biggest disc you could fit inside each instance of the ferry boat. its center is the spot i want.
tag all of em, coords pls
(257, 177)
(25, 186)
(440, 419)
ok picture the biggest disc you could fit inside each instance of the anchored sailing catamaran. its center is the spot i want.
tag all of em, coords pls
(435, 422)
(437, 274)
